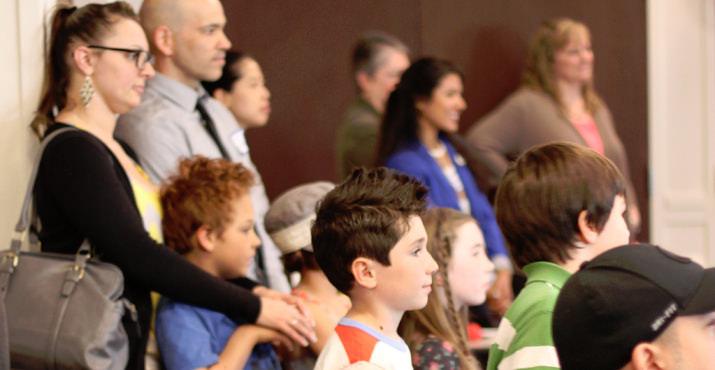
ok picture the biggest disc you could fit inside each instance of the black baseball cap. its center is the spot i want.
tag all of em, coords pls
(623, 297)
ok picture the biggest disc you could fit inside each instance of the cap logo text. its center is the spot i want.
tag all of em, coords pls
(667, 313)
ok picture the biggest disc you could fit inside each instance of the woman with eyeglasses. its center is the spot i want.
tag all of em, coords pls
(89, 185)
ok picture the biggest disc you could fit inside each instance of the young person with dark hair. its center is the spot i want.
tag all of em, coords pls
(560, 204)
(419, 137)
(242, 89)
(370, 241)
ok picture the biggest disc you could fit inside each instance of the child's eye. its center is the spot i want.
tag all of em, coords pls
(416, 252)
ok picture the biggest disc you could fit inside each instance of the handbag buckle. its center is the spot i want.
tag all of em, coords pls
(10, 255)
(81, 272)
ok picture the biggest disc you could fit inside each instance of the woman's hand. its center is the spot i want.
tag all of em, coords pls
(262, 291)
(286, 318)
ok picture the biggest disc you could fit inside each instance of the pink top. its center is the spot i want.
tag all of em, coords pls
(589, 131)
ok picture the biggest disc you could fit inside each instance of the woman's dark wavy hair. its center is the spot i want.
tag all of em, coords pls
(399, 124)
(72, 26)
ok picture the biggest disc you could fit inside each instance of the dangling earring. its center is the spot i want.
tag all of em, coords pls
(86, 91)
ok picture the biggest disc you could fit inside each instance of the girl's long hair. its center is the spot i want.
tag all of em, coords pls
(440, 317)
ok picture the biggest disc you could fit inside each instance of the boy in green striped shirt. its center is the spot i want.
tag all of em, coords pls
(560, 205)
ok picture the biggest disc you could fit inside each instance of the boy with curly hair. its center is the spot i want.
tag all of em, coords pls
(208, 219)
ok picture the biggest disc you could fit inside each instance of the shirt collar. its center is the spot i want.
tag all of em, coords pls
(176, 92)
(546, 271)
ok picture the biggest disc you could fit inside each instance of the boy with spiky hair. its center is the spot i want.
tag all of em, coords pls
(370, 241)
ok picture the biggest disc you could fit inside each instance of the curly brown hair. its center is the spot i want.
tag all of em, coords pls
(201, 193)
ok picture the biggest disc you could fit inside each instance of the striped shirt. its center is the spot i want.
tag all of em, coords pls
(524, 335)
(356, 345)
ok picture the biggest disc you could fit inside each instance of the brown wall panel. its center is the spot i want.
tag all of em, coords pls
(304, 48)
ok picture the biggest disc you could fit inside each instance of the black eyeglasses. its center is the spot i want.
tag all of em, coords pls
(140, 57)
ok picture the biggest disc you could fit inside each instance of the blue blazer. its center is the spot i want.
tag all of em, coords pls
(414, 160)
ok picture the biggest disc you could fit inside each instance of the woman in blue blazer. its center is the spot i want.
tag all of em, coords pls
(421, 118)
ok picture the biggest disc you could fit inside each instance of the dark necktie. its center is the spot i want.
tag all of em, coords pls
(208, 123)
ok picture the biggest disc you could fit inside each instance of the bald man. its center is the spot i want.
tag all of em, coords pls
(176, 117)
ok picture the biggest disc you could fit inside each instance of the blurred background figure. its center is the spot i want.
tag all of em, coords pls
(378, 62)
(288, 222)
(242, 90)
(419, 137)
(556, 102)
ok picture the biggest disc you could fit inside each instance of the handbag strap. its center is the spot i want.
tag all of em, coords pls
(24, 221)
(10, 259)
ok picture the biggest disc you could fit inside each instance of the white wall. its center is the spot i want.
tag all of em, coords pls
(21, 24)
(681, 83)
(134, 3)
(22, 63)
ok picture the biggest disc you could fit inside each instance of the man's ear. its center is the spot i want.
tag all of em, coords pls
(363, 80)
(163, 40)
(587, 233)
(364, 273)
(647, 356)
(84, 60)
(206, 238)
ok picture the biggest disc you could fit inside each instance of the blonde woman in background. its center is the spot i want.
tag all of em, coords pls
(556, 102)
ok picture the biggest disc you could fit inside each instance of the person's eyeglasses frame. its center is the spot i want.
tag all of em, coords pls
(137, 52)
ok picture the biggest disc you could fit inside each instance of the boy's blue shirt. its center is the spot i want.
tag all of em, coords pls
(191, 337)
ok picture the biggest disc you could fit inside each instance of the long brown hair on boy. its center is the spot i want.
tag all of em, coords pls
(440, 317)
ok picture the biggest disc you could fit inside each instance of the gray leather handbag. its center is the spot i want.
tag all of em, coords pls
(63, 311)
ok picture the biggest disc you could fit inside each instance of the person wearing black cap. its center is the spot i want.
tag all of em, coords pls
(637, 307)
